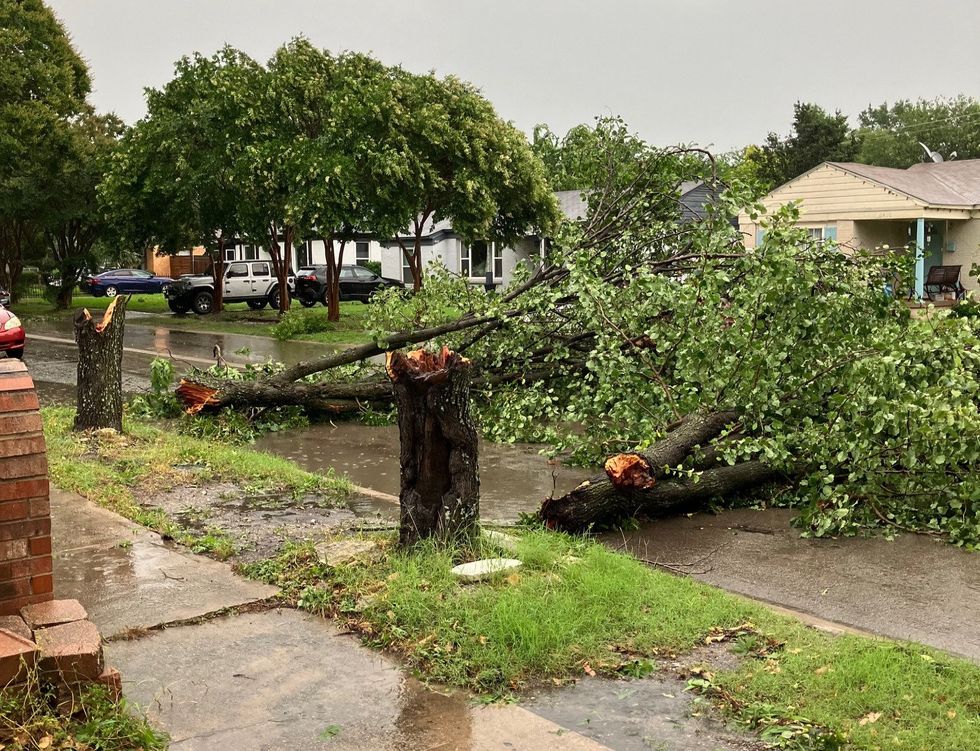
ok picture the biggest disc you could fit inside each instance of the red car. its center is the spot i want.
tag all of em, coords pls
(11, 334)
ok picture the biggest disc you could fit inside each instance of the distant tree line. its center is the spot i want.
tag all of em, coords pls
(885, 135)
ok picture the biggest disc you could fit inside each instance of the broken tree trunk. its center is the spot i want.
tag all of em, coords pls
(440, 483)
(635, 483)
(100, 351)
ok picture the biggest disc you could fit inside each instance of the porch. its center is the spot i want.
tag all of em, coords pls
(935, 243)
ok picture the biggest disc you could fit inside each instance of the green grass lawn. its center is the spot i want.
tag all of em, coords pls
(237, 318)
(579, 608)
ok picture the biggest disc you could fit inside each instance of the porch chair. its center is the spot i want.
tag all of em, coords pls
(944, 279)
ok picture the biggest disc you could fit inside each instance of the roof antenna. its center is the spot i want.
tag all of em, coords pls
(933, 155)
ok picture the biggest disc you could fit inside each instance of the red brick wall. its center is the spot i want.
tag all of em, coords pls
(25, 514)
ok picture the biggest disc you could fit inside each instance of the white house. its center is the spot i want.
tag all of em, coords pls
(471, 259)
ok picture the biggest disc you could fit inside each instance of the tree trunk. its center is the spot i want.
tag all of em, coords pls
(280, 262)
(100, 351)
(416, 264)
(203, 393)
(600, 504)
(334, 265)
(440, 483)
(632, 481)
(218, 275)
(65, 292)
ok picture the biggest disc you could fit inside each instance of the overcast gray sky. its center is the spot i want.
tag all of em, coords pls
(706, 71)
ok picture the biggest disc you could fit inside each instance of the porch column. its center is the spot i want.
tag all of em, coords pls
(920, 258)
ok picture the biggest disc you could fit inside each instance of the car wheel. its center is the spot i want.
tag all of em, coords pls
(178, 308)
(256, 304)
(16, 353)
(111, 291)
(307, 302)
(274, 298)
(203, 302)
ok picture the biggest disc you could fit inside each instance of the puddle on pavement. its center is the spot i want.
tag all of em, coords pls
(637, 715)
(514, 478)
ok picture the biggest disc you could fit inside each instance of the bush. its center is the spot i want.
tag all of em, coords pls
(298, 321)
(373, 266)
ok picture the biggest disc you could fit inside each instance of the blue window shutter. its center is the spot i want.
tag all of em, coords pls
(830, 232)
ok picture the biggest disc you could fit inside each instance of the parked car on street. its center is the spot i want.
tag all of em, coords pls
(4, 297)
(356, 283)
(11, 334)
(116, 281)
(251, 282)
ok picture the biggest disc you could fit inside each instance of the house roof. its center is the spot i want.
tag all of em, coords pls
(573, 204)
(955, 183)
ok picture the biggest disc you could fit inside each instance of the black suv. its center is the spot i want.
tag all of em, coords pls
(356, 283)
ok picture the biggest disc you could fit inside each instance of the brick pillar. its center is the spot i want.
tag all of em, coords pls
(25, 513)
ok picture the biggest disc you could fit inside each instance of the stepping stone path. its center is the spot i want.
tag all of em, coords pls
(475, 571)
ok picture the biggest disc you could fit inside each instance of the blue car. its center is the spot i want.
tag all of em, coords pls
(116, 281)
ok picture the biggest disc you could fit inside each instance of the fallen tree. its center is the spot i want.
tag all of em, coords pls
(693, 368)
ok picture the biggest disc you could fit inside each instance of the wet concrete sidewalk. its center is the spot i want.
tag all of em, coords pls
(231, 670)
(914, 587)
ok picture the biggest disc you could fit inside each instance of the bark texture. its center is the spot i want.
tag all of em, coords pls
(440, 482)
(100, 351)
(635, 483)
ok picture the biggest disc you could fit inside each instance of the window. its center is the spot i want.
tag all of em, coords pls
(346, 272)
(479, 257)
(237, 270)
(362, 253)
(260, 269)
(304, 254)
(407, 276)
(362, 273)
(249, 253)
(229, 254)
(142, 274)
(822, 233)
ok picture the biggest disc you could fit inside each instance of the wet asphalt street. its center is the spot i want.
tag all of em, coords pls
(51, 353)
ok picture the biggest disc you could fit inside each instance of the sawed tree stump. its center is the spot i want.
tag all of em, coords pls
(100, 350)
(440, 482)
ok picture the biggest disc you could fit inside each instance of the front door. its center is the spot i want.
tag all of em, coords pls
(935, 242)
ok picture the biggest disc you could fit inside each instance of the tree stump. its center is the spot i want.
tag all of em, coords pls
(440, 482)
(100, 351)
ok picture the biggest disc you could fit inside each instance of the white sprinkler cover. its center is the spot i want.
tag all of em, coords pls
(475, 571)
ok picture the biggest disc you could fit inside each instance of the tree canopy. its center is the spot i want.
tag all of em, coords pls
(316, 145)
(890, 135)
(816, 137)
(466, 165)
(173, 182)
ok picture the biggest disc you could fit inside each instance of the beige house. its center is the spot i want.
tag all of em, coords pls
(934, 207)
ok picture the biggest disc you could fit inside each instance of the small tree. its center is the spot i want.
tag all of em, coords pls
(465, 165)
(817, 137)
(73, 222)
(173, 183)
